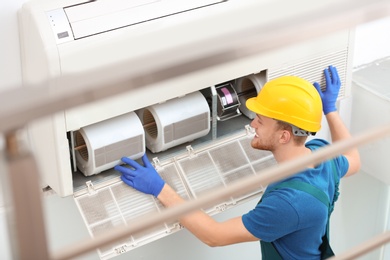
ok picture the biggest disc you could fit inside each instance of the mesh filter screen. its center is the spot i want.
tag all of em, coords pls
(116, 205)
(228, 157)
(107, 225)
(201, 174)
(134, 204)
(171, 176)
(264, 164)
(98, 207)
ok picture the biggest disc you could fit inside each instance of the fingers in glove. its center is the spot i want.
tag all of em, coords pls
(125, 170)
(327, 76)
(334, 75)
(146, 161)
(131, 162)
(318, 87)
(127, 180)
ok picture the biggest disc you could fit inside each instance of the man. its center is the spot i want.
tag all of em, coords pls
(291, 221)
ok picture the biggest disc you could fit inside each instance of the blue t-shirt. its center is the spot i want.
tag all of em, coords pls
(294, 220)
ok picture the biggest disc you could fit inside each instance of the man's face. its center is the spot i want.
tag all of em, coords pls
(265, 137)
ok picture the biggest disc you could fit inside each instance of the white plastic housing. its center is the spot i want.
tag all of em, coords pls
(175, 122)
(103, 144)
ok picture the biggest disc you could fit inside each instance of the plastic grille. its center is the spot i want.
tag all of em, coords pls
(98, 207)
(171, 176)
(200, 174)
(132, 203)
(237, 175)
(228, 157)
(312, 69)
(190, 175)
(117, 205)
(264, 164)
(107, 225)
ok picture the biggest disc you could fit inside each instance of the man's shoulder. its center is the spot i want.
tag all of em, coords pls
(316, 143)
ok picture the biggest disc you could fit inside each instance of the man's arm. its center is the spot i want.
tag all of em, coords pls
(204, 227)
(145, 179)
(338, 132)
(337, 128)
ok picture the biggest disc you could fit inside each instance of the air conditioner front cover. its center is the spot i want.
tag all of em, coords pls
(191, 174)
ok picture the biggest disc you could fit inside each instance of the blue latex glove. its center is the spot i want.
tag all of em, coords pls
(143, 178)
(329, 96)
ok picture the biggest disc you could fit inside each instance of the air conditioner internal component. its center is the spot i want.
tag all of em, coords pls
(175, 121)
(248, 87)
(228, 102)
(101, 145)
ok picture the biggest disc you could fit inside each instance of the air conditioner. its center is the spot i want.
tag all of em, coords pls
(195, 149)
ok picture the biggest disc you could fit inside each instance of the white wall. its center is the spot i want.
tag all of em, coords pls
(372, 44)
(10, 67)
(364, 212)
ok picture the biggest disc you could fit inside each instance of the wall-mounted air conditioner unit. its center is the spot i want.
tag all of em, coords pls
(192, 127)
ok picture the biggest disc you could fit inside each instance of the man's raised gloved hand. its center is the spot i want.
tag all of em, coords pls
(141, 177)
(329, 96)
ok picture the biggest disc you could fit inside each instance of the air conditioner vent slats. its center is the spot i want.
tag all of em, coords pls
(312, 69)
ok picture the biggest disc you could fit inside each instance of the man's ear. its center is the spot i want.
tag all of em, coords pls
(285, 137)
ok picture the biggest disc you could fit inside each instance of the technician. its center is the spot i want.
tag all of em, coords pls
(291, 220)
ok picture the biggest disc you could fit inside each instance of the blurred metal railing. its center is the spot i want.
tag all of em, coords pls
(33, 103)
(364, 247)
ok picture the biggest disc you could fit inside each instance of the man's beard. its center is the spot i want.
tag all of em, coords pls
(256, 143)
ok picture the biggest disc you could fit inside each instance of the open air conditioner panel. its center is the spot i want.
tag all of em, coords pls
(192, 173)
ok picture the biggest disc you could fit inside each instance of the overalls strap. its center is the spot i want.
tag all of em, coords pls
(306, 187)
(269, 251)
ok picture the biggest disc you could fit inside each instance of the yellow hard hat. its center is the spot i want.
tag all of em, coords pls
(290, 99)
